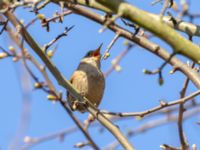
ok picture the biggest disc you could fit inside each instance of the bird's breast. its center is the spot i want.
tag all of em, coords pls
(90, 83)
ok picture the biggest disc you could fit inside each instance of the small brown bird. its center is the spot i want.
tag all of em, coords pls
(88, 80)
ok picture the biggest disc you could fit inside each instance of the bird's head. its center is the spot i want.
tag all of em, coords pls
(95, 54)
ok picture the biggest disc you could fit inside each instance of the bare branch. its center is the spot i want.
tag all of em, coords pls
(142, 41)
(159, 107)
(106, 53)
(46, 46)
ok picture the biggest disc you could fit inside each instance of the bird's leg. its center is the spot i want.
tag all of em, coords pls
(88, 121)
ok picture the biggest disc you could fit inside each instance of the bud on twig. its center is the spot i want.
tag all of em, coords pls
(3, 55)
(51, 97)
(50, 53)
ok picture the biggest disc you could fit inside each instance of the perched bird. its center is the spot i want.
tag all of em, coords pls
(88, 80)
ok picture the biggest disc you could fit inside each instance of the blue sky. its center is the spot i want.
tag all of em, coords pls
(128, 90)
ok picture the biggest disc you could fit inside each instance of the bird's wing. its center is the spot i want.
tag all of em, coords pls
(71, 81)
(69, 97)
(73, 77)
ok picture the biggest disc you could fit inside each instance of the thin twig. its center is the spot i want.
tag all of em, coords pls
(46, 2)
(4, 27)
(167, 4)
(118, 59)
(154, 109)
(153, 124)
(57, 16)
(31, 22)
(33, 141)
(92, 143)
(180, 127)
(25, 117)
(46, 46)
(136, 27)
(183, 140)
(159, 70)
(155, 2)
(5, 51)
(110, 46)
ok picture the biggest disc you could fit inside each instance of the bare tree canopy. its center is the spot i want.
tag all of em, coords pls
(77, 74)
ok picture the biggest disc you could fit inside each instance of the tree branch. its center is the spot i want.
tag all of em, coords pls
(66, 84)
(156, 108)
(142, 41)
(176, 41)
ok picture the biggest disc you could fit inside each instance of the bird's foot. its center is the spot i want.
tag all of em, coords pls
(77, 105)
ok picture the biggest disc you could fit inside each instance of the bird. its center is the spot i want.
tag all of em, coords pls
(89, 80)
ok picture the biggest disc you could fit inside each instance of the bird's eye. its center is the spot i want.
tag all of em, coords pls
(88, 54)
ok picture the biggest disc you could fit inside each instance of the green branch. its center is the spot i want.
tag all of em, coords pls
(144, 19)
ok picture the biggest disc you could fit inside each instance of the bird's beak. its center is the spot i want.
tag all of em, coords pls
(97, 51)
